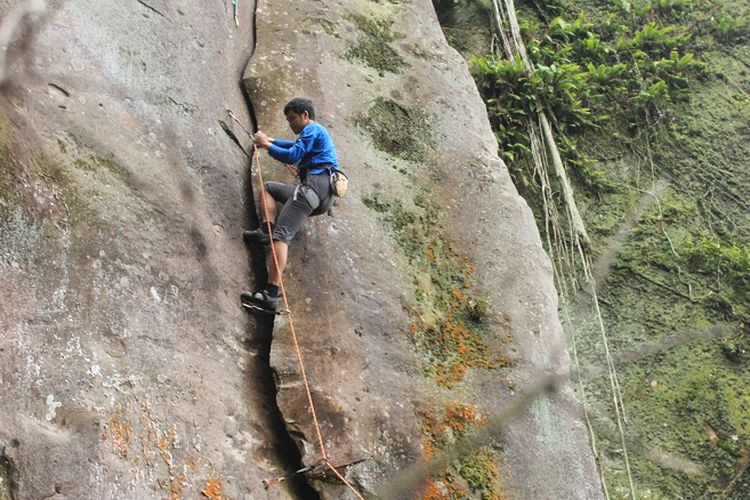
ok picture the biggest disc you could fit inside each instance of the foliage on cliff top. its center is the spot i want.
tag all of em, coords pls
(583, 76)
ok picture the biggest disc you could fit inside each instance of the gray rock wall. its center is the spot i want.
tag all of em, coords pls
(124, 360)
(129, 369)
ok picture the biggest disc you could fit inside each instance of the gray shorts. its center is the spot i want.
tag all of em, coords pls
(312, 197)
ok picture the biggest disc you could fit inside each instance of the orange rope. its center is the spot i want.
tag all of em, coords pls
(343, 480)
(286, 305)
(264, 209)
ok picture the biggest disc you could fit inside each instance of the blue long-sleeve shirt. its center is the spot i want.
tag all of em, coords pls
(312, 147)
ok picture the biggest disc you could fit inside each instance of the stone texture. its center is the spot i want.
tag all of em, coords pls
(130, 370)
(121, 258)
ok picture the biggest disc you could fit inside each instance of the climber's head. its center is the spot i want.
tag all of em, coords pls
(299, 112)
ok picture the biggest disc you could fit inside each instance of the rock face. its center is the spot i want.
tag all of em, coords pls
(376, 289)
(124, 358)
(129, 369)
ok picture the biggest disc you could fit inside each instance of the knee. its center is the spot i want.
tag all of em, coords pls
(282, 234)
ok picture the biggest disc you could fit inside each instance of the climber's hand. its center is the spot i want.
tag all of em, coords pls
(262, 140)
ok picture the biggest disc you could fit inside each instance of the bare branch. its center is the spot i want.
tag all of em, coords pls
(414, 477)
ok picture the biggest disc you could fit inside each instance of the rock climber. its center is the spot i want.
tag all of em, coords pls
(314, 155)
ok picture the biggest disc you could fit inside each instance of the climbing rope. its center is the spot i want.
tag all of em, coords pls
(324, 459)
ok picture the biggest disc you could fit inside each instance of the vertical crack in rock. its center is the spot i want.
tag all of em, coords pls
(7, 477)
(283, 449)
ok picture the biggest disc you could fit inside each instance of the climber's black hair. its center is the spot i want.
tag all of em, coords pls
(300, 104)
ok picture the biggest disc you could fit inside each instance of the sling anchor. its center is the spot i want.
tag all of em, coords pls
(318, 469)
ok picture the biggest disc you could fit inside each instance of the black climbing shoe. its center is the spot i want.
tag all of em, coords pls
(260, 299)
(255, 237)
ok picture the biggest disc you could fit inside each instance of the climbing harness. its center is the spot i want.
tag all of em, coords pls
(323, 461)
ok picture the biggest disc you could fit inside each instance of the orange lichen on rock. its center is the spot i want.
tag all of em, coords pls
(430, 253)
(469, 270)
(432, 492)
(120, 432)
(477, 471)
(413, 329)
(459, 416)
(155, 442)
(430, 430)
(459, 333)
(165, 444)
(212, 491)
(451, 326)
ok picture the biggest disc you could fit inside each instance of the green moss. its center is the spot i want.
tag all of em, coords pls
(12, 187)
(10, 195)
(329, 27)
(373, 46)
(96, 162)
(84, 165)
(398, 130)
(54, 172)
(709, 255)
(9, 192)
(460, 23)
(688, 404)
(111, 167)
(478, 471)
(23, 236)
(79, 213)
(451, 324)
(5, 478)
(691, 401)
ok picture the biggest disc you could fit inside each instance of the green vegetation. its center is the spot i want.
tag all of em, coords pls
(583, 75)
(480, 469)
(451, 324)
(5, 477)
(654, 95)
(373, 46)
(96, 162)
(401, 131)
(477, 472)
(724, 262)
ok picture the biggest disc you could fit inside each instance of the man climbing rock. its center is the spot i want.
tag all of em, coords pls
(315, 156)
